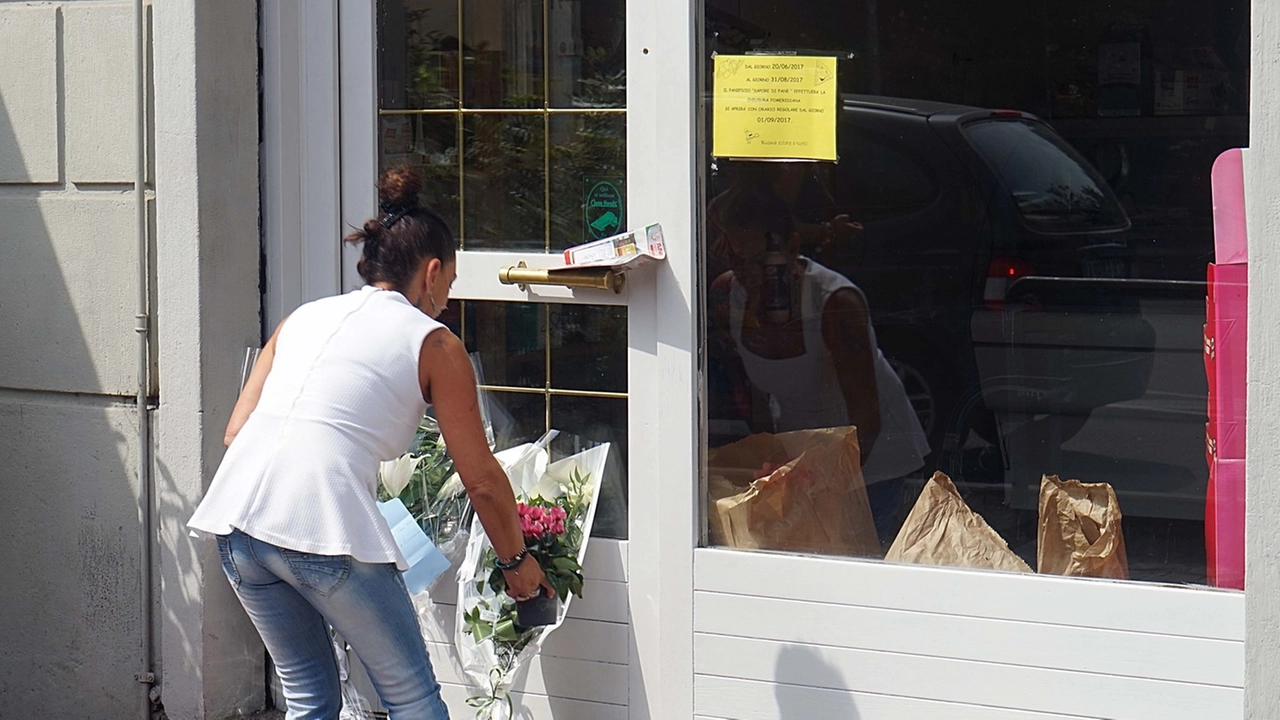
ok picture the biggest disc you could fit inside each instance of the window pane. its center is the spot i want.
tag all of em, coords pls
(1003, 279)
(588, 56)
(511, 340)
(589, 348)
(417, 54)
(598, 420)
(880, 177)
(588, 175)
(502, 51)
(430, 142)
(517, 418)
(588, 355)
(505, 183)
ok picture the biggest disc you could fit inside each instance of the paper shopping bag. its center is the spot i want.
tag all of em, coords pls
(732, 468)
(942, 530)
(815, 502)
(1080, 532)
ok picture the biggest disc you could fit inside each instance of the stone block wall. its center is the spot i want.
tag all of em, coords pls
(71, 631)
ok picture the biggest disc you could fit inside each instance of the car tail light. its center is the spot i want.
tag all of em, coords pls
(1007, 114)
(1001, 273)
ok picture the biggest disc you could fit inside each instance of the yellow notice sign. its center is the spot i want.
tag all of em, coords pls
(774, 107)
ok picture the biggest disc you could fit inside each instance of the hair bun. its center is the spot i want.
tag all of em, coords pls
(400, 187)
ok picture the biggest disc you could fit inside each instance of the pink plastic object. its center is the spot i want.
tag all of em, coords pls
(1225, 358)
(1230, 239)
(1224, 524)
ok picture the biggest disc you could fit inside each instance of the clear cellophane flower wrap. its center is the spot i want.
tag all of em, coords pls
(491, 646)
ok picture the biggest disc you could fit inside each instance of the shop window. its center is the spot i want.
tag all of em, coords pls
(1001, 281)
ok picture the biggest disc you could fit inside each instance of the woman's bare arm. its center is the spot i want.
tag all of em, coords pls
(449, 383)
(846, 330)
(252, 390)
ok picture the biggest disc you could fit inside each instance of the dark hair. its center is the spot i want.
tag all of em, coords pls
(404, 235)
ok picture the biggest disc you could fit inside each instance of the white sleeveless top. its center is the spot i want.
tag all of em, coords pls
(343, 394)
(804, 391)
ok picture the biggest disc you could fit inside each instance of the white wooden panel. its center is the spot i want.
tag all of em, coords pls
(958, 681)
(529, 706)
(478, 280)
(718, 698)
(1076, 602)
(548, 675)
(576, 638)
(1161, 657)
(606, 560)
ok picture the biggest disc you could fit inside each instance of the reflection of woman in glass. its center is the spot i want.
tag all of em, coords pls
(808, 203)
(804, 337)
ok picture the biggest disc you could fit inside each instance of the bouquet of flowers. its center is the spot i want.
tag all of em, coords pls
(495, 635)
(424, 480)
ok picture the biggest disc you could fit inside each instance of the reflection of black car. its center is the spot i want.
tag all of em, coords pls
(995, 262)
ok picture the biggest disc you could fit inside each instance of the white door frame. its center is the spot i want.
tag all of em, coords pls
(662, 407)
(663, 82)
(299, 166)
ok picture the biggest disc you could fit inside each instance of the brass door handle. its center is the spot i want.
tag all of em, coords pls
(591, 278)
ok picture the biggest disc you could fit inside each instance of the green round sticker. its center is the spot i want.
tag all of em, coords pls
(603, 209)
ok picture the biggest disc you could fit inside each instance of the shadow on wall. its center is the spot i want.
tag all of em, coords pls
(817, 697)
(70, 633)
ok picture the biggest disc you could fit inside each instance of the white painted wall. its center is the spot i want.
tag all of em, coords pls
(206, 151)
(1262, 500)
(70, 629)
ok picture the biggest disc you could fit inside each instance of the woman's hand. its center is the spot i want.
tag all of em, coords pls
(524, 580)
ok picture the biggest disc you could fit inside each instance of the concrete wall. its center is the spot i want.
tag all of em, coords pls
(70, 633)
(1262, 504)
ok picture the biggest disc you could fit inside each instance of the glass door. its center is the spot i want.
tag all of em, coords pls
(516, 113)
(542, 124)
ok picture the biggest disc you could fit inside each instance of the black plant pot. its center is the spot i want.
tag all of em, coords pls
(537, 611)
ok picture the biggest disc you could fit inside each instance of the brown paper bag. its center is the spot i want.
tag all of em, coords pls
(1080, 532)
(942, 530)
(732, 468)
(815, 502)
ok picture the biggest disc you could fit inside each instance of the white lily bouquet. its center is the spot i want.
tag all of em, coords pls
(495, 635)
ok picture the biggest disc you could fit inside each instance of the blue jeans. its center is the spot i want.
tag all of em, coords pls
(293, 597)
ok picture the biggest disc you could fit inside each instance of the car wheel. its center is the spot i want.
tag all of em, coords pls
(920, 393)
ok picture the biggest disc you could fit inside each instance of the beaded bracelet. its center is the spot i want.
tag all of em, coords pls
(514, 562)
